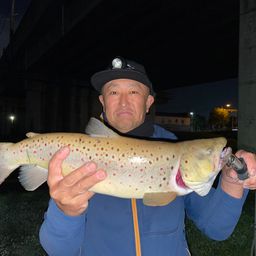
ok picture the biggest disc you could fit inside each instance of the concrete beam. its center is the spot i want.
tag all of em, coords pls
(247, 76)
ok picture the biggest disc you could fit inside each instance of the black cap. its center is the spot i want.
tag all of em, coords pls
(121, 68)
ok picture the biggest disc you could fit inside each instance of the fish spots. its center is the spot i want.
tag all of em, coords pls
(172, 168)
(114, 174)
(152, 177)
(173, 156)
(141, 181)
(130, 175)
(34, 151)
(121, 166)
(161, 168)
(141, 170)
(106, 164)
(160, 185)
(150, 162)
(164, 178)
(82, 159)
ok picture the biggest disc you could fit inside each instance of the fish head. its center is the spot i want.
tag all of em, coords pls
(202, 161)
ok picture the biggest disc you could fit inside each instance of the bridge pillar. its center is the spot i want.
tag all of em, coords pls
(247, 77)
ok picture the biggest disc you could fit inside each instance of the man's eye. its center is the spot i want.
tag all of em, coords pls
(133, 92)
(113, 93)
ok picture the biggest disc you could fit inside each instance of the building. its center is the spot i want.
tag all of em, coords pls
(173, 121)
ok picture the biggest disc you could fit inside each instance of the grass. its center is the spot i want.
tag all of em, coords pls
(21, 215)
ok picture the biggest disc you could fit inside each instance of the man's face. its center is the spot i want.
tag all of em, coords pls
(125, 103)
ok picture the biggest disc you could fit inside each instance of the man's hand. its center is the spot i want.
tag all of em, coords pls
(231, 184)
(71, 193)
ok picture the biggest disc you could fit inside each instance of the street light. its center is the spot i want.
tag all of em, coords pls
(12, 119)
(191, 120)
(231, 113)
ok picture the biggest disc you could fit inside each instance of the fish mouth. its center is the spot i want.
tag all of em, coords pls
(224, 156)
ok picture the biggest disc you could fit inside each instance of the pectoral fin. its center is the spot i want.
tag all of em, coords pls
(32, 176)
(159, 198)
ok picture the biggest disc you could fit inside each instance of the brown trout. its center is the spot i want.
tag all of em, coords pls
(156, 171)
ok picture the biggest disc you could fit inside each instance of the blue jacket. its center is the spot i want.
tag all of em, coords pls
(106, 227)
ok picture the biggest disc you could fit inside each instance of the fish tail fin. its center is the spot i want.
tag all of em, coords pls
(5, 167)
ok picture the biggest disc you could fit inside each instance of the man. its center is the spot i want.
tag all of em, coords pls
(108, 225)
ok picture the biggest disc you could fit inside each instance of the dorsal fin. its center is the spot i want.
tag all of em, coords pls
(96, 128)
(31, 134)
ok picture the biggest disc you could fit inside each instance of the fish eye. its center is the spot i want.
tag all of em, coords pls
(208, 151)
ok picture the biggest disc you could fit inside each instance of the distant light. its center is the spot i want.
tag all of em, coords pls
(12, 118)
(191, 113)
(228, 105)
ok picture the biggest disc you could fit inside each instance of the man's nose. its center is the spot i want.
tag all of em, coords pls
(123, 101)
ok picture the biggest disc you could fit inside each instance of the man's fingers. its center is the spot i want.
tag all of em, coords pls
(55, 165)
(85, 184)
(79, 174)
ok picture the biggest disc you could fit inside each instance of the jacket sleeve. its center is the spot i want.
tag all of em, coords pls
(61, 234)
(215, 214)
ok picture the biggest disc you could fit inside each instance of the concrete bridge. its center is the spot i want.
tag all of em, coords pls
(45, 70)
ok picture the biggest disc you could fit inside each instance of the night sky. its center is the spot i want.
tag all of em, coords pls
(5, 14)
(201, 99)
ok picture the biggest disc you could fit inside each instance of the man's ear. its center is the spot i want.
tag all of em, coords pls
(149, 102)
(101, 100)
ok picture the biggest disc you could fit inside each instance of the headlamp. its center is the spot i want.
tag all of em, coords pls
(118, 63)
